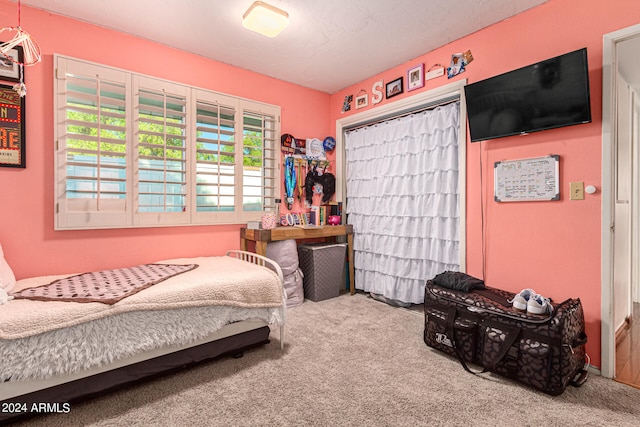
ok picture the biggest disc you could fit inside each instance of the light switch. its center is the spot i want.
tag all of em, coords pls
(576, 191)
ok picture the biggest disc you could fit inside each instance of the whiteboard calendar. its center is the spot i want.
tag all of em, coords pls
(533, 179)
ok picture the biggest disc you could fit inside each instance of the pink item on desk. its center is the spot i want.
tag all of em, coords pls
(334, 220)
(269, 221)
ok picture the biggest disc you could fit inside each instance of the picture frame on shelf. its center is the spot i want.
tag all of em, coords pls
(362, 100)
(10, 69)
(394, 88)
(415, 77)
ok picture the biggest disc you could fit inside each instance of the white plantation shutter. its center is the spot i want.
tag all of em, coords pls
(160, 159)
(215, 158)
(236, 159)
(134, 151)
(261, 154)
(91, 146)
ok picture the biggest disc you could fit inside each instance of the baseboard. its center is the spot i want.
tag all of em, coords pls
(594, 370)
(623, 331)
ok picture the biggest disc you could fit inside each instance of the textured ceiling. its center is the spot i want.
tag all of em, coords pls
(328, 45)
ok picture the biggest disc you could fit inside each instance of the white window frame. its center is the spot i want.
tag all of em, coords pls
(76, 214)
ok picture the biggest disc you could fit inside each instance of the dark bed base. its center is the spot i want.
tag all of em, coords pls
(100, 384)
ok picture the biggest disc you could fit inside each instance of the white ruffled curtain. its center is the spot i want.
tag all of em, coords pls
(402, 200)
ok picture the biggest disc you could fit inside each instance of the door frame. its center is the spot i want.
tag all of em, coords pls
(635, 209)
(609, 118)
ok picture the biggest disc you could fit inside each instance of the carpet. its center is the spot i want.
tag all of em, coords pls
(349, 361)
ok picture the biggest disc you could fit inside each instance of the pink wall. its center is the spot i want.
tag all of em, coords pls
(552, 247)
(30, 244)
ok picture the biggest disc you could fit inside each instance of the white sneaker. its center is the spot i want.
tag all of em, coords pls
(538, 304)
(521, 300)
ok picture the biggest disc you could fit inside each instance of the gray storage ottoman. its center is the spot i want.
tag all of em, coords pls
(323, 267)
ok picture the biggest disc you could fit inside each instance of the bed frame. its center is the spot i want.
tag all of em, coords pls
(231, 340)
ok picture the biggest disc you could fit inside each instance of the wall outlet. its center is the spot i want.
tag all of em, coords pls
(576, 191)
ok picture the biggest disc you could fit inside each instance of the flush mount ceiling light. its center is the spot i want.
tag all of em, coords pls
(265, 19)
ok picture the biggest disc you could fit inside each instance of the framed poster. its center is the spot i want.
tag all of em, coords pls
(534, 179)
(12, 144)
(10, 69)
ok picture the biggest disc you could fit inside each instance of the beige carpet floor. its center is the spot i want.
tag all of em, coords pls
(349, 361)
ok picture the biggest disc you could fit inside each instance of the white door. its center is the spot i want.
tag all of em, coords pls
(620, 197)
(623, 202)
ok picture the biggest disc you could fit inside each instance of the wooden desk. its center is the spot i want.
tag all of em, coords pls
(262, 237)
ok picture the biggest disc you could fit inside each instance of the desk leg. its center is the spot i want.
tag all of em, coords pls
(352, 286)
(261, 248)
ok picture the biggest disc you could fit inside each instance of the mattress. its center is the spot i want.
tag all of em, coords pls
(217, 281)
(41, 339)
(108, 339)
(232, 339)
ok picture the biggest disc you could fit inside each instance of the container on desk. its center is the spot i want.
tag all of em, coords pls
(323, 267)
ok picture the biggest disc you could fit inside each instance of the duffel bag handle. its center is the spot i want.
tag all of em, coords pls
(511, 335)
(451, 320)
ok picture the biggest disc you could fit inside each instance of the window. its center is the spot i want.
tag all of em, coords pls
(260, 152)
(215, 157)
(134, 151)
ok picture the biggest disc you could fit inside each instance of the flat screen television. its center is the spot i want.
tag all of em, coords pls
(545, 95)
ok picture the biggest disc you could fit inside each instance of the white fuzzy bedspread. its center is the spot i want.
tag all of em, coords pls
(105, 340)
(40, 339)
(220, 280)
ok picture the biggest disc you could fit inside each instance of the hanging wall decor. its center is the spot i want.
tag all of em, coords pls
(458, 63)
(362, 99)
(287, 143)
(532, 179)
(346, 104)
(30, 51)
(10, 70)
(12, 142)
(376, 92)
(394, 88)
(436, 70)
(415, 77)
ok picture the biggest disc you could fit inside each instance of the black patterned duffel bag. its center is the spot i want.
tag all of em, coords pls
(481, 327)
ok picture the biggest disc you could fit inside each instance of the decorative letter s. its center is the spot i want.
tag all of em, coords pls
(376, 95)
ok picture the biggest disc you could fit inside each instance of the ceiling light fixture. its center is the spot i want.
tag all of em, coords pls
(265, 19)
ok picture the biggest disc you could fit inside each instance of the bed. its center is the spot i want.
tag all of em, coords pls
(56, 352)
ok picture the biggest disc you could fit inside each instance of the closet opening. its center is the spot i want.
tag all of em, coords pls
(403, 170)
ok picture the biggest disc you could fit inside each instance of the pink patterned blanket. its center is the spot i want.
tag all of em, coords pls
(106, 286)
